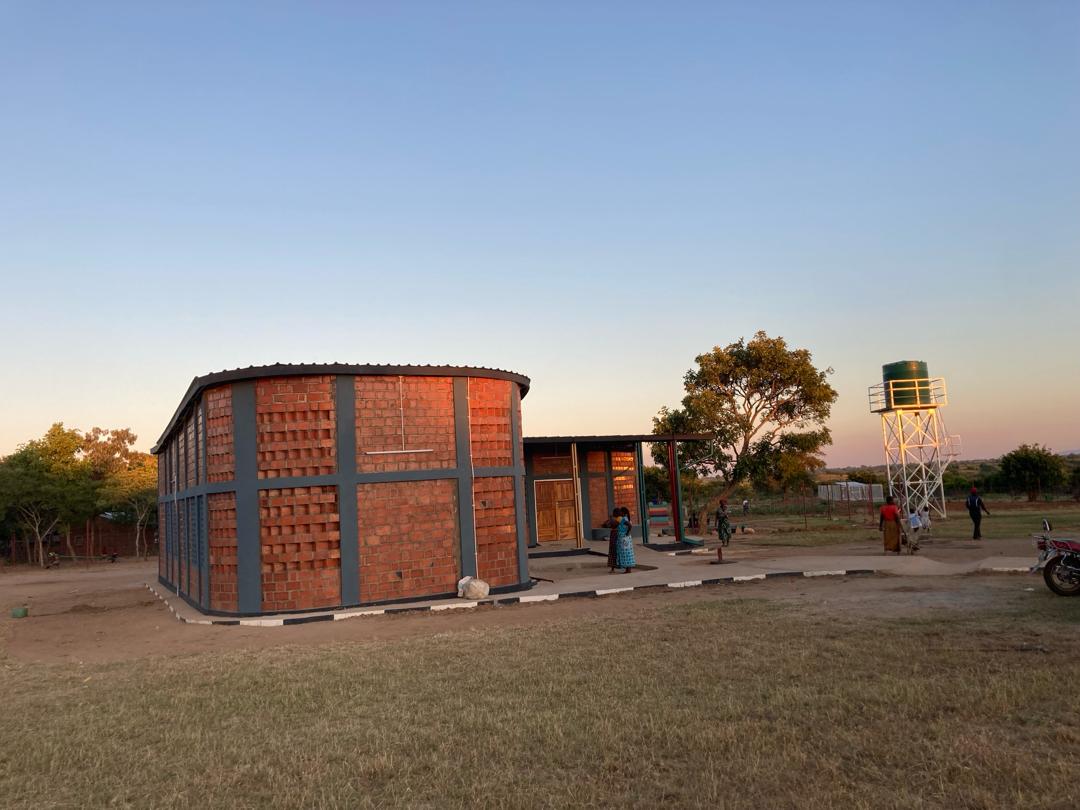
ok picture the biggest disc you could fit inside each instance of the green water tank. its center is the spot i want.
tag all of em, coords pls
(906, 395)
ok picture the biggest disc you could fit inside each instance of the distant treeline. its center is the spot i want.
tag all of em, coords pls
(1029, 470)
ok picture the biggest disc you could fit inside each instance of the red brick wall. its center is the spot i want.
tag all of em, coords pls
(426, 404)
(200, 442)
(222, 518)
(489, 422)
(408, 531)
(180, 454)
(408, 539)
(294, 418)
(625, 484)
(598, 508)
(299, 531)
(220, 461)
(192, 451)
(595, 461)
(515, 394)
(626, 495)
(496, 530)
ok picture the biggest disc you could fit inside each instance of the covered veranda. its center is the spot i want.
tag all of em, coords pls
(573, 483)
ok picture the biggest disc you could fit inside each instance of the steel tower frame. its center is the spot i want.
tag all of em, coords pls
(917, 446)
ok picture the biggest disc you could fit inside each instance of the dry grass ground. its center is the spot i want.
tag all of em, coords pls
(877, 692)
(1013, 520)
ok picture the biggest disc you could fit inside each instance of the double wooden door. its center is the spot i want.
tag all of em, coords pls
(556, 511)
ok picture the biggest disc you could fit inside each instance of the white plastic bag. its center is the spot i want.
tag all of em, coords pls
(472, 588)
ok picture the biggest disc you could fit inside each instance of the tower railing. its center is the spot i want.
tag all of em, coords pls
(909, 395)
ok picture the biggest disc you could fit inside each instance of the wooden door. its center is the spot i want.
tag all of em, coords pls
(556, 511)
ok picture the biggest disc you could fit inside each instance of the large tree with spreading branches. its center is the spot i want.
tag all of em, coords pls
(763, 407)
(1032, 469)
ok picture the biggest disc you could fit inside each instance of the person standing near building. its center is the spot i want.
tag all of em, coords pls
(612, 523)
(889, 525)
(976, 507)
(624, 544)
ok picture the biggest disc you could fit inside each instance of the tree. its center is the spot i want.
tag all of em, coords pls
(106, 453)
(657, 485)
(133, 488)
(46, 485)
(785, 464)
(763, 406)
(1032, 468)
(66, 477)
(699, 496)
(955, 483)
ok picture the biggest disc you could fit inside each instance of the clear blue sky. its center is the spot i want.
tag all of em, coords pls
(589, 193)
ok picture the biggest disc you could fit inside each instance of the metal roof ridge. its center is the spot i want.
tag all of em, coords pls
(242, 374)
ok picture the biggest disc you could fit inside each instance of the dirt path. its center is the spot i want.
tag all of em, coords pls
(105, 614)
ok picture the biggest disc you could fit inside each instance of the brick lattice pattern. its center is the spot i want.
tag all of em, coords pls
(300, 535)
(220, 461)
(489, 423)
(496, 531)
(625, 487)
(192, 452)
(223, 565)
(624, 480)
(295, 426)
(598, 505)
(408, 539)
(422, 407)
(200, 442)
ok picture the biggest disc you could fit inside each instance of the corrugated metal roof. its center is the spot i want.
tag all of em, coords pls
(632, 437)
(297, 369)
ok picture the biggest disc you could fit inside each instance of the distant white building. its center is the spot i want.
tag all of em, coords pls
(853, 491)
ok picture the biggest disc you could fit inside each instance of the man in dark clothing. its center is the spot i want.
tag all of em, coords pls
(976, 507)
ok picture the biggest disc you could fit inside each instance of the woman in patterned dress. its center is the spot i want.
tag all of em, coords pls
(613, 536)
(624, 542)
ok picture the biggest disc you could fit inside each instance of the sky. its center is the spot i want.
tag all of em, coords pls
(589, 193)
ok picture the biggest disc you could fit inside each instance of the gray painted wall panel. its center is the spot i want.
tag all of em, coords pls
(248, 545)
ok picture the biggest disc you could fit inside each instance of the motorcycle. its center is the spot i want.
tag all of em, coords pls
(1059, 561)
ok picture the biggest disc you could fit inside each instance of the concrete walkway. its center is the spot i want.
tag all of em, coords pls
(587, 575)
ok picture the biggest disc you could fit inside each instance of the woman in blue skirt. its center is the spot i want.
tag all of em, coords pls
(624, 543)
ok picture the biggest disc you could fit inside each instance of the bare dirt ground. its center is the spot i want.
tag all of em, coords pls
(104, 614)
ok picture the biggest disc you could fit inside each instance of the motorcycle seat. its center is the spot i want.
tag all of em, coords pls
(1065, 545)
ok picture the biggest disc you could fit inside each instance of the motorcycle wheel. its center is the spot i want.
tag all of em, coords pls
(1060, 580)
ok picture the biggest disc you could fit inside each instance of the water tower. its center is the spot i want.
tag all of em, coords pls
(917, 447)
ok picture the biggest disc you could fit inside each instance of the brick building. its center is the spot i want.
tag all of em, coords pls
(297, 487)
